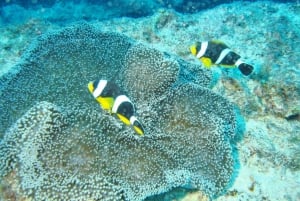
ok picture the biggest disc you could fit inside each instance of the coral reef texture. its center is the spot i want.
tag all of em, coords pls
(59, 145)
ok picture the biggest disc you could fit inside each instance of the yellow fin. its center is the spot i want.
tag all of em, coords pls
(91, 87)
(124, 119)
(228, 66)
(206, 62)
(193, 50)
(106, 102)
(218, 42)
(138, 130)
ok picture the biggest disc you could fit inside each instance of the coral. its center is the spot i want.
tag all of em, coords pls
(40, 139)
(66, 147)
(204, 117)
(153, 72)
(148, 73)
(44, 119)
(54, 59)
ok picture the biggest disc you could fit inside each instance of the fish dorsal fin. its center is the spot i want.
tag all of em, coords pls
(206, 62)
(106, 103)
(218, 42)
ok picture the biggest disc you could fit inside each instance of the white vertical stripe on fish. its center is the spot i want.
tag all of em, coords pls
(238, 62)
(119, 100)
(132, 119)
(203, 49)
(99, 88)
(222, 55)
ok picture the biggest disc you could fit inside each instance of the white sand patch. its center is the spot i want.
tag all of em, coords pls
(265, 156)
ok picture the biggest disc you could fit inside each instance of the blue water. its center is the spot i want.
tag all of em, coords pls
(178, 4)
(14, 11)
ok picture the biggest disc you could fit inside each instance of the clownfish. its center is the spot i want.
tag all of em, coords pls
(113, 100)
(218, 53)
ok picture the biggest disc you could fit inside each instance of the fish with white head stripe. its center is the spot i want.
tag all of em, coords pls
(114, 101)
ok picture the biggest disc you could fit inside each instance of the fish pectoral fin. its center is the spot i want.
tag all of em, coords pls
(206, 62)
(109, 112)
(105, 102)
(124, 119)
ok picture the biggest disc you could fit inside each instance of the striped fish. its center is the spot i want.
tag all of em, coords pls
(218, 53)
(113, 100)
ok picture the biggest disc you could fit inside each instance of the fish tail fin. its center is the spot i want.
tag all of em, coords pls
(137, 126)
(139, 129)
(246, 69)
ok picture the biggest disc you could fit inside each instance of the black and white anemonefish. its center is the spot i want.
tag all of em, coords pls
(113, 100)
(218, 53)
